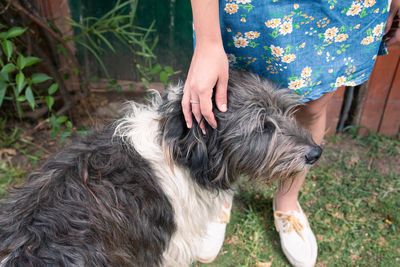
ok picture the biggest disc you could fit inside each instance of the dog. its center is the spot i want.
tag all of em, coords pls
(141, 191)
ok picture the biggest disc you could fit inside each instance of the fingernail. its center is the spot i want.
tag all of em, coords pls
(223, 108)
(204, 131)
(188, 125)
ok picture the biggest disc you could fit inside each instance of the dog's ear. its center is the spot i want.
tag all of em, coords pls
(186, 147)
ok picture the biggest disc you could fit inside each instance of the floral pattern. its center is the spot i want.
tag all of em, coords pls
(309, 47)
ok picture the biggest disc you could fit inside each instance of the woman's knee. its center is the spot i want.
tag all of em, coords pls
(314, 111)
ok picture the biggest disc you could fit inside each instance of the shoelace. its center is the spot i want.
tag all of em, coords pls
(225, 215)
(290, 222)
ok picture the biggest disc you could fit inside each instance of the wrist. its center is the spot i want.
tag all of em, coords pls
(209, 44)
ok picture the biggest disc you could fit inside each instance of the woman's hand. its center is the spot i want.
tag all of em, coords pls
(209, 68)
(392, 24)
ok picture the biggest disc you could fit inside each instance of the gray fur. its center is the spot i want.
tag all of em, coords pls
(258, 136)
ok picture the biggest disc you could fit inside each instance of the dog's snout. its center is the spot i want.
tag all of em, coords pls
(313, 155)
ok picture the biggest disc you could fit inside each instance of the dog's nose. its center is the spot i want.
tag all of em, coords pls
(313, 155)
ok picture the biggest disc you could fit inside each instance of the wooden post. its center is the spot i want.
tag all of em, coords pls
(58, 12)
(390, 122)
(381, 91)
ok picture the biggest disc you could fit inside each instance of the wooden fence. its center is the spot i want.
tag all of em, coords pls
(376, 107)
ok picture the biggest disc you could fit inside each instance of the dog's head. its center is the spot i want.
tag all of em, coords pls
(258, 136)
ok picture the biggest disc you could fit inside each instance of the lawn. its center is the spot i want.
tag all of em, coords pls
(351, 197)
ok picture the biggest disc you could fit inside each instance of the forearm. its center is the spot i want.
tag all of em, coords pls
(206, 22)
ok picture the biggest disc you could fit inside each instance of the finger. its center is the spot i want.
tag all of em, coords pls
(203, 127)
(197, 113)
(206, 110)
(221, 94)
(186, 108)
(195, 105)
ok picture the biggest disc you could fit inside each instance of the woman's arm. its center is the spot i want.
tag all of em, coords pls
(209, 66)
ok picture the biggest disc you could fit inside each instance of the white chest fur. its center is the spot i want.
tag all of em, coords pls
(193, 206)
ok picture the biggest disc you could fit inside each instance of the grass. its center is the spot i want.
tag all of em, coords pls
(9, 176)
(14, 145)
(351, 198)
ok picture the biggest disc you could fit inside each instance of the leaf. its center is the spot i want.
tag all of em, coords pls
(53, 88)
(7, 48)
(15, 31)
(4, 77)
(21, 98)
(9, 151)
(169, 70)
(39, 78)
(156, 69)
(29, 96)
(61, 119)
(69, 124)
(164, 77)
(99, 60)
(7, 68)
(3, 35)
(27, 61)
(3, 90)
(64, 135)
(20, 61)
(20, 79)
(49, 102)
(54, 130)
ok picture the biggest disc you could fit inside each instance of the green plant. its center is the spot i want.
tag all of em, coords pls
(19, 84)
(13, 143)
(60, 123)
(150, 72)
(9, 175)
(119, 22)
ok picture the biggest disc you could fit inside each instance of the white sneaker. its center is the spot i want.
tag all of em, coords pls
(297, 239)
(212, 242)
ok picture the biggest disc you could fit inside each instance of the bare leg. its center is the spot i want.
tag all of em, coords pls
(313, 117)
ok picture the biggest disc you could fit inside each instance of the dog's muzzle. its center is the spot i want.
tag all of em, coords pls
(313, 155)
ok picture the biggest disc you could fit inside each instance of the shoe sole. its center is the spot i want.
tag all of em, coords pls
(206, 261)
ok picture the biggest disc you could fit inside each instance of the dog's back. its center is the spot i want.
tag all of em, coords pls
(97, 203)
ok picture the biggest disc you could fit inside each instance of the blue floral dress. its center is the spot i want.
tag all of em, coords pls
(309, 46)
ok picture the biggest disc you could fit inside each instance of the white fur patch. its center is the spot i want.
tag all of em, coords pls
(193, 206)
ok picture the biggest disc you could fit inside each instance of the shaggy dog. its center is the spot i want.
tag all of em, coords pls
(141, 191)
